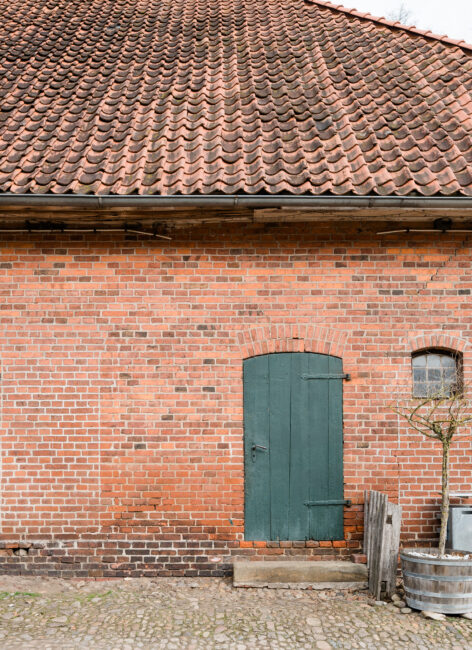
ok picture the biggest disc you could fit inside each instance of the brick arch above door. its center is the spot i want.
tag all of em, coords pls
(267, 339)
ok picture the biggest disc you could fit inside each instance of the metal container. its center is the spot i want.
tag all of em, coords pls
(436, 584)
(460, 528)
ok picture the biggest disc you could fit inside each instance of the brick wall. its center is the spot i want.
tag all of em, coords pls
(122, 438)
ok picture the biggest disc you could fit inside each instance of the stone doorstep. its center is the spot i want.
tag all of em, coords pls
(299, 574)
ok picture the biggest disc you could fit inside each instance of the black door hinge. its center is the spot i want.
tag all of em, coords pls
(334, 502)
(345, 376)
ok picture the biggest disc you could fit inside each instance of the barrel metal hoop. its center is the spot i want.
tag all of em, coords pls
(442, 609)
(423, 576)
(436, 561)
(431, 594)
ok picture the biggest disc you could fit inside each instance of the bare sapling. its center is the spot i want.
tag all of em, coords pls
(441, 415)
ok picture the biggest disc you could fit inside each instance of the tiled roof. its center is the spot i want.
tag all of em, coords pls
(228, 96)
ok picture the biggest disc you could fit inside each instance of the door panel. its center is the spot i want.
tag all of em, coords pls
(293, 447)
(279, 444)
(256, 422)
(326, 522)
(299, 448)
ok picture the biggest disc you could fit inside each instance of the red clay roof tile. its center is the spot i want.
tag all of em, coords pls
(231, 96)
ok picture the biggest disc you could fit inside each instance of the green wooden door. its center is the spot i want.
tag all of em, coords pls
(293, 447)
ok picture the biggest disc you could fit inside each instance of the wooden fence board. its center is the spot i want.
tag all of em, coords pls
(390, 549)
(381, 542)
(366, 518)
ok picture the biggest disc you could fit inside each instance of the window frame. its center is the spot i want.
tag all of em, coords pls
(454, 388)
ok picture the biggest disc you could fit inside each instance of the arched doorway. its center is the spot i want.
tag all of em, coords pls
(293, 447)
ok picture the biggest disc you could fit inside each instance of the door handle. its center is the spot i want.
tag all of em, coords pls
(255, 447)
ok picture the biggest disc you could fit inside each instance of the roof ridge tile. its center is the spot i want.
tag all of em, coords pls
(443, 38)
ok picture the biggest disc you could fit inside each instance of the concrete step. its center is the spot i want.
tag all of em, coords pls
(299, 574)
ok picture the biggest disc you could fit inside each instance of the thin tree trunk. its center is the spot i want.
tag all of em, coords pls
(445, 497)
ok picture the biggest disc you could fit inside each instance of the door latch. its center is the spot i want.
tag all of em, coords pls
(255, 447)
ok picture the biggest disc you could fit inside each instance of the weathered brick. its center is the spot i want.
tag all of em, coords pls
(121, 380)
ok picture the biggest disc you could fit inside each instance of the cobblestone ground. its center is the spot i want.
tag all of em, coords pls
(207, 613)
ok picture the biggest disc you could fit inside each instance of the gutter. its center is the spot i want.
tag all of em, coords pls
(260, 201)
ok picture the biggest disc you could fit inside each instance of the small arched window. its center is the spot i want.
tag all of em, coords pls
(436, 373)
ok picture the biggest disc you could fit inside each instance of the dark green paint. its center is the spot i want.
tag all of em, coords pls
(300, 422)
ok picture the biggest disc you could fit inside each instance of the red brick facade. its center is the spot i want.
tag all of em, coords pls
(121, 360)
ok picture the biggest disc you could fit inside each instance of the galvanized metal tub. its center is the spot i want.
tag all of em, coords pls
(436, 584)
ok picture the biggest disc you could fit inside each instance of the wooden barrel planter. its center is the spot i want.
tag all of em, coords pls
(436, 584)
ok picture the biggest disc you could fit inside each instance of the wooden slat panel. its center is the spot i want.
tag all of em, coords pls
(375, 571)
(335, 531)
(279, 425)
(391, 547)
(370, 527)
(256, 430)
(318, 446)
(381, 542)
(299, 449)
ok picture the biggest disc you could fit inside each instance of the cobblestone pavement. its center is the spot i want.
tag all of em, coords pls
(207, 613)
